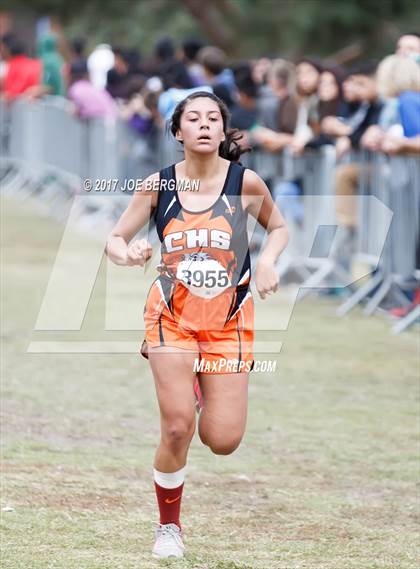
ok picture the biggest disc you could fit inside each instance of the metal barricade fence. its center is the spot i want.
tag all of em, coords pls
(310, 252)
(394, 181)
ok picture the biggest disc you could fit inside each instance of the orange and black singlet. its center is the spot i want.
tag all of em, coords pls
(202, 295)
(215, 237)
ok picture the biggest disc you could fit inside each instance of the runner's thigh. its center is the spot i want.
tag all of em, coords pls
(174, 381)
(225, 403)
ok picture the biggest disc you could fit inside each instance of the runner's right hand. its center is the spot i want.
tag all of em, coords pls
(138, 253)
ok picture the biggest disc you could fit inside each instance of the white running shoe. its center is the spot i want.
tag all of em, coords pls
(168, 542)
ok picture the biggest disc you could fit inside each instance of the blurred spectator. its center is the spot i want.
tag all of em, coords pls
(217, 76)
(189, 50)
(363, 110)
(141, 111)
(297, 111)
(408, 45)
(52, 66)
(77, 49)
(260, 69)
(22, 73)
(169, 99)
(164, 49)
(349, 131)
(244, 112)
(330, 102)
(307, 123)
(133, 59)
(282, 115)
(277, 113)
(76, 54)
(398, 129)
(4, 57)
(90, 101)
(330, 94)
(173, 72)
(99, 62)
(118, 77)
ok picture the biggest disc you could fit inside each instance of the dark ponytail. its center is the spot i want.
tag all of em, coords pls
(230, 147)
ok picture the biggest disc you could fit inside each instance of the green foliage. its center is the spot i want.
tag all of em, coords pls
(257, 27)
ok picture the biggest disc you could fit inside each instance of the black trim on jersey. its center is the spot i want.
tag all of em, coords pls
(161, 338)
(236, 180)
(238, 297)
(164, 199)
(239, 338)
(168, 289)
(225, 186)
(144, 350)
(232, 304)
(170, 303)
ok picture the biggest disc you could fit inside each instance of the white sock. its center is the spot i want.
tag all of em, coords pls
(169, 479)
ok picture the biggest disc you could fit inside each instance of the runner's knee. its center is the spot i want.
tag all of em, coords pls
(177, 433)
(224, 446)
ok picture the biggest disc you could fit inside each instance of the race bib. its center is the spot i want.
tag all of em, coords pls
(204, 277)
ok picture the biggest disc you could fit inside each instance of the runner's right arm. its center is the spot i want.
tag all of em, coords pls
(138, 212)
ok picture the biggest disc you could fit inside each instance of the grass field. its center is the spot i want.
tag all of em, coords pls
(327, 476)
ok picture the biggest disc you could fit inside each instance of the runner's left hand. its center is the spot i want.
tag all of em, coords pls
(266, 277)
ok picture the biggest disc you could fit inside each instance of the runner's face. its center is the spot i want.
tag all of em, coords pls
(201, 126)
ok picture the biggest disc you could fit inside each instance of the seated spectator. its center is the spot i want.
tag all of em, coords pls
(217, 76)
(90, 101)
(23, 73)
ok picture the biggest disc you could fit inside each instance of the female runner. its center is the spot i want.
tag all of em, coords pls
(199, 310)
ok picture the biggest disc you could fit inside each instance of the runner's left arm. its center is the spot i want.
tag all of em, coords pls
(258, 202)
